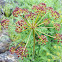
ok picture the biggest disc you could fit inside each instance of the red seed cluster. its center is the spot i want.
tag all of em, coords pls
(23, 12)
(50, 9)
(30, 16)
(38, 9)
(57, 26)
(12, 50)
(43, 39)
(42, 5)
(19, 11)
(5, 23)
(16, 12)
(41, 8)
(46, 21)
(54, 14)
(61, 36)
(20, 25)
(21, 51)
(58, 37)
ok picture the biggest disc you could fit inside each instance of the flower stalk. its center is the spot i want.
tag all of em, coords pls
(34, 44)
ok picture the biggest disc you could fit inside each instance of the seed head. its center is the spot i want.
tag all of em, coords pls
(5, 23)
(20, 25)
(57, 26)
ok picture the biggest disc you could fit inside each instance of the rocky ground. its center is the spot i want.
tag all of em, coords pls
(8, 57)
(5, 55)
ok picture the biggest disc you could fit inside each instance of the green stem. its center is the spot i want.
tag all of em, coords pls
(34, 44)
(61, 55)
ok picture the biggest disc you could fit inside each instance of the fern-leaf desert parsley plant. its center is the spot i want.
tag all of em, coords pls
(36, 20)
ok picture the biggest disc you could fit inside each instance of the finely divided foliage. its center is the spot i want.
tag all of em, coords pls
(35, 20)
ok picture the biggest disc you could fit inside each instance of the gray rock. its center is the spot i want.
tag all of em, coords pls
(4, 42)
(8, 57)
